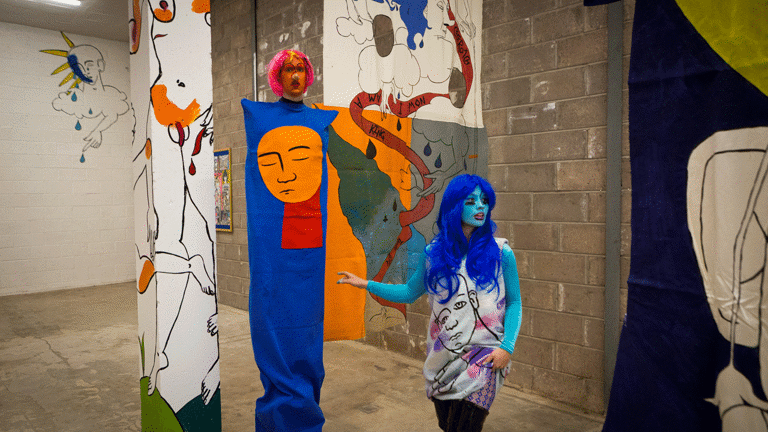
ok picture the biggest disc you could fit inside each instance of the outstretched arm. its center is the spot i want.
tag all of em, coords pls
(408, 292)
(94, 138)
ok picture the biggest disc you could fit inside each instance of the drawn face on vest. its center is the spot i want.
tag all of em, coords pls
(293, 77)
(460, 310)
(291, 162)
(475, 208)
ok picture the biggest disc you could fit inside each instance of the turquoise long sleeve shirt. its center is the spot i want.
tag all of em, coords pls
(410, 291)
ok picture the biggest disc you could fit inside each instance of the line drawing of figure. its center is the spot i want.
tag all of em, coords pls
(175, 244)
(87, 97)
(445, 330)
(728, 220)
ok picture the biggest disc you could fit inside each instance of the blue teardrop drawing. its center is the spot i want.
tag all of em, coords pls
(82, 158)
(438, 162)
(77, 126)
(427, 150)
(74, 97)
(90, 111)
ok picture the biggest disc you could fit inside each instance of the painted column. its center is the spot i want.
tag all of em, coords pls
(174, 214)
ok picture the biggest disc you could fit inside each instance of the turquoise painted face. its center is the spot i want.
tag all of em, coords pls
(475, 208)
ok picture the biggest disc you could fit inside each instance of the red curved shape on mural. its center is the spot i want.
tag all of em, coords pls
(403, 109)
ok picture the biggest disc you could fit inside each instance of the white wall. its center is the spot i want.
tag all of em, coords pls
(63, 223)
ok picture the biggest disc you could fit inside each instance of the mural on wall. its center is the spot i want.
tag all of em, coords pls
(694, 346)
(95, 105)
(406, 75)
(175, 215)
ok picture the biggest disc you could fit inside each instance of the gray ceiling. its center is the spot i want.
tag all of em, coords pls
(106, 19)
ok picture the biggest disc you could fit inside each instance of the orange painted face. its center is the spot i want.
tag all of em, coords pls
(293, 77)
(291, 162)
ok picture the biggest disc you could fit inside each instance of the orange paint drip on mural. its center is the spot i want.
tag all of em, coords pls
(167, 113)
(147, 271)
(163, 15)
(201, 6)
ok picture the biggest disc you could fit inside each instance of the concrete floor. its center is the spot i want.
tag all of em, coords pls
(69, 361)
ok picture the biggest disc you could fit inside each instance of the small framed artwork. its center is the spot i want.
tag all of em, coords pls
(222, 173)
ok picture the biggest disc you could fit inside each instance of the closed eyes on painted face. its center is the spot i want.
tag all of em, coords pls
(291, 162)
(475, 208)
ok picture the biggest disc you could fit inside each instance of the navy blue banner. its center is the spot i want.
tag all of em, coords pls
(691, 356)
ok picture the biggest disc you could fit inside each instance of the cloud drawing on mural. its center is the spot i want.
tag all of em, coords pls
(396, 73)
(362, 31)
(112, 102)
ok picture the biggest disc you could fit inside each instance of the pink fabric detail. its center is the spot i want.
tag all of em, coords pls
(434, 330)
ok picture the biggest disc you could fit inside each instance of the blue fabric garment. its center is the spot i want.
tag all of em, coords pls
(286, 293)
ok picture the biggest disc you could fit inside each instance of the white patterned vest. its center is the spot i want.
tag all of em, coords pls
(461, 332)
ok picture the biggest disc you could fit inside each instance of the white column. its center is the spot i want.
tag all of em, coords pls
(174, 213)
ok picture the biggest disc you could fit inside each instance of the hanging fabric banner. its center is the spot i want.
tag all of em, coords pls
(693, 354)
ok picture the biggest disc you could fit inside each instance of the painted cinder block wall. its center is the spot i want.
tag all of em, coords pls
(63, 223)
(544, 82)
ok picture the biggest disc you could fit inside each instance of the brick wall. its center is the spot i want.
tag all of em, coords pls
(232, 48)
(63, 223)
(544, 81)
(544, 101)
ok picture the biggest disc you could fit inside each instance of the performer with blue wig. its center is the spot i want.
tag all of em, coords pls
(286, 188)
(474, 295)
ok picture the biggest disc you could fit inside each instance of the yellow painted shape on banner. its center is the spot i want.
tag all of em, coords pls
(737, 30)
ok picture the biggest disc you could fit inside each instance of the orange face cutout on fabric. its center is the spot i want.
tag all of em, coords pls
(291, 166)
(291, 162)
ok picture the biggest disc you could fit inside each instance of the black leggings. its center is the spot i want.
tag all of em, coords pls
(459, 415)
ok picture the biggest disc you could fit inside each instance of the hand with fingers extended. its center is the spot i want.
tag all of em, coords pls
(354, 280)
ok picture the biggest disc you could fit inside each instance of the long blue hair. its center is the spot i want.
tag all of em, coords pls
(450, 245)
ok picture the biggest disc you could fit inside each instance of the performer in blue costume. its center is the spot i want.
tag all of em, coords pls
(474, 294)
(286, 189)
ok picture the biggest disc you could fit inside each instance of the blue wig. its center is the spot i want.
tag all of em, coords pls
(450, 245)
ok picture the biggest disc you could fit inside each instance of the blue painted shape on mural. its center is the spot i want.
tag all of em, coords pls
(72, 60)
(412, 14)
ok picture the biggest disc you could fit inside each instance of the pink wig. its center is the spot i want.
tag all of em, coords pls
(276, 65)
